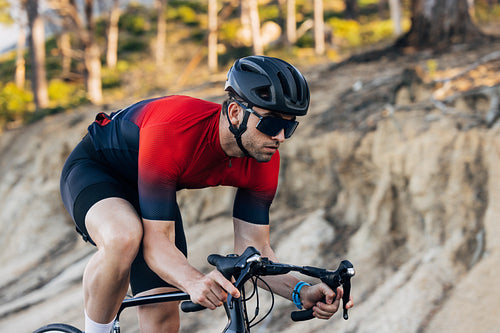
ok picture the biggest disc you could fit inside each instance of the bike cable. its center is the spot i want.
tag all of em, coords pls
(257, 308)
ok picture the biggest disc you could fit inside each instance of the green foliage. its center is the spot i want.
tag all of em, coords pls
(112, 78)
(14, 103)
(269, 12)
(363, 3)
(350, 33)
(374, 32)
(228, 30)
(305, 41)
(101, 26)
(132, 44)
(65, 94)
(134, 24)
(185, 14)
(487, 13)
(199, 7)
(7, 67)
(5, 17)
(135, 20)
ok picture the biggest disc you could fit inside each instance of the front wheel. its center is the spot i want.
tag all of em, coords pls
(64, 328)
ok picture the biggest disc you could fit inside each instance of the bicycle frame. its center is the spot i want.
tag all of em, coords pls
(235, 312)
(145, 300)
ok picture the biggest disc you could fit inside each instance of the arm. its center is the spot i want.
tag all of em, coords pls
(248, 234)
(171, 265)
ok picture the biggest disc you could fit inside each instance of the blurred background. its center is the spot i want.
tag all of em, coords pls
(395, 166)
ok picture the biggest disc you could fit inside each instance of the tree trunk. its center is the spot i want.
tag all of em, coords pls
(161, 34)
(291, 22)
(93, 73)
(84, 30)
(92, 58)
(37, 52)
(20, 63)
(319, 28)
(253, 8)
(212, 35)
(395, 9)
(112, 48)
(439, 24)
(351, 9)
(65, 47)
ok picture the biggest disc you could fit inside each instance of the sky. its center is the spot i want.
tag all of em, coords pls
(9, 33)
(9, 37)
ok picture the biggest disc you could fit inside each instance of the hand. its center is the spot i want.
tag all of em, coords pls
(324, 301)
(211, 290)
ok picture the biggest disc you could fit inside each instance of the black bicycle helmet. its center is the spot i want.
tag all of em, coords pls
(269, 83)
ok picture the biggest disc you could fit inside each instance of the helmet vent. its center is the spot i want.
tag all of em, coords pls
(284, 84)
(246, 68)
(264, 93)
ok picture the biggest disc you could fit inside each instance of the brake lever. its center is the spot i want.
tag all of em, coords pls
(341, 277)
(244, 276)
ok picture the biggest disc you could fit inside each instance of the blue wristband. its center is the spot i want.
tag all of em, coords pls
(296, 294)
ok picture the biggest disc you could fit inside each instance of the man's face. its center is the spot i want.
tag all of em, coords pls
(259, 145)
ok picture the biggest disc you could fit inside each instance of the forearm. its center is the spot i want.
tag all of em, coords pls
(163, 257)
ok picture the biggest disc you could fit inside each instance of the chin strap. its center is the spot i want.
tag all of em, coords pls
(237, 132)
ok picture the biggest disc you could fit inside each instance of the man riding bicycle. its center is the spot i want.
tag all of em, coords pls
(119, 185)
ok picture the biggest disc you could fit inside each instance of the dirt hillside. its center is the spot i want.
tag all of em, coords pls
(395, 168)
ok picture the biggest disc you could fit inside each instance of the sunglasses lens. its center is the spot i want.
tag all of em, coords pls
(272, 126)
(289, 130)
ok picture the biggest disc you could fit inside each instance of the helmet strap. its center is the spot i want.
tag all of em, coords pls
(237, 132)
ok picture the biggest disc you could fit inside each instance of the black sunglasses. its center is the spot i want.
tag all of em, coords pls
(270, 125)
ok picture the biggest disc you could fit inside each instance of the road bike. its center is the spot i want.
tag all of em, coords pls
(249, 266)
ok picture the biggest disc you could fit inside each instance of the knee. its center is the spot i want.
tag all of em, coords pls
(123, 243)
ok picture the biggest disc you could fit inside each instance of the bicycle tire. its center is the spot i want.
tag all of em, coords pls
(62, 328)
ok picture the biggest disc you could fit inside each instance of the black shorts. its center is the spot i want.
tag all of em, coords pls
(85, 181)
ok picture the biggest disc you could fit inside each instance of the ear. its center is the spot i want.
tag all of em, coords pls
(233, 112)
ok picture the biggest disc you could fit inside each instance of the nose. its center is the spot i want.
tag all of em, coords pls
(280, 136)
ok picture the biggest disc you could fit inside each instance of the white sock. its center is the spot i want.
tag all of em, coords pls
(93, 327)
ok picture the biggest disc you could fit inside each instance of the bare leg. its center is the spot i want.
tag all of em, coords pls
(116, 229)
(161, 317)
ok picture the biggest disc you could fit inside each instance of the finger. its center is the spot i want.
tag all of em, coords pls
(217, 290)
(350, 304)
(340, 292)
(324, 311)
(216, 299)
(225, 284)
(320, 314)
(332, 296)
(228, 287)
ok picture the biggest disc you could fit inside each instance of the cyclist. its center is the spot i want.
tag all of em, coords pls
(119, 184)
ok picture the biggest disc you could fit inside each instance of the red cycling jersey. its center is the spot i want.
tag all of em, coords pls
(174, 142)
